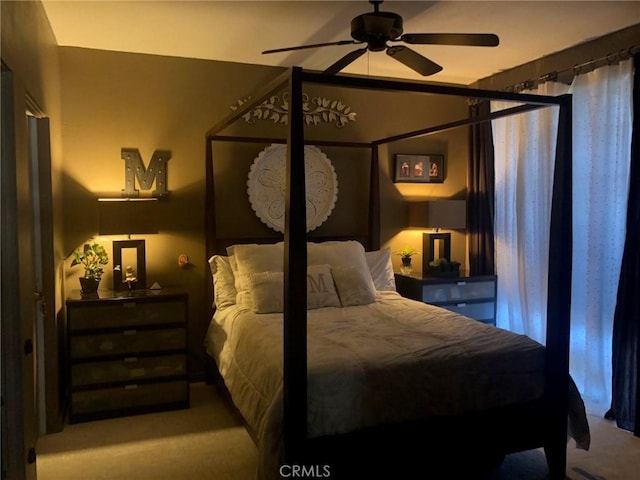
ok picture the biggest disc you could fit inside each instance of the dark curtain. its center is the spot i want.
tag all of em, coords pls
(480, 201)
(625, 405)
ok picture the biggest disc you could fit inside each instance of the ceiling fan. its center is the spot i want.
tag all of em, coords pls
(377, 28)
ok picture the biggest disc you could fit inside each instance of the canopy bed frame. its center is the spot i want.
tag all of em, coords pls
(544, 422)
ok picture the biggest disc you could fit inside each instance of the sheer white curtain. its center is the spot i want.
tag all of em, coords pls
(524, 157)
(524, 154)
(602, 124)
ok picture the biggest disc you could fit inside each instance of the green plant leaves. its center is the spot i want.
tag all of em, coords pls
(93, 257)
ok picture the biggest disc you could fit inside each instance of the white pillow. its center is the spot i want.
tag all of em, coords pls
(381, 269)
(348, 253)
(253, 258)
(354, 286)
(224, 290)
(258, 257)
(321, 291)
(266, 289)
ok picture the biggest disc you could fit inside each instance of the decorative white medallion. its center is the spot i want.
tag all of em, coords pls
(267, 183)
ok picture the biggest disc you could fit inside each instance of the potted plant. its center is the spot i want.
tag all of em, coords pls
(441, 267)
(405, 255)
(93, 257)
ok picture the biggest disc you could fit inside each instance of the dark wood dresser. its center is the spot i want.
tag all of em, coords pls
(126, 353)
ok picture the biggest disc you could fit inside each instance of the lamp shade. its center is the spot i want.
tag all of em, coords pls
(447, 214)
(125, 216)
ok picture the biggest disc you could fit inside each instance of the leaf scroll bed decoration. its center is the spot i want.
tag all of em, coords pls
(316, 110)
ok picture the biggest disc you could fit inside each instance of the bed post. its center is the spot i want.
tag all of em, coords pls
(559, 297)
(374, 199)
(210, 220)
(295, 282)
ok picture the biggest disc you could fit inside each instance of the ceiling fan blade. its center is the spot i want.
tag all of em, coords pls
(468, 39)
(315, 45)
(344, 61)
(413, 60)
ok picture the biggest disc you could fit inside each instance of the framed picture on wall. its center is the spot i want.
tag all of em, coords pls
(411, 168)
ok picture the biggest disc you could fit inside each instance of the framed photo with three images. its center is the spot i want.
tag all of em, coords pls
(419, 168)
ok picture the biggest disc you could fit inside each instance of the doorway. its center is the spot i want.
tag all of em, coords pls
(46, 343)
(18, 425)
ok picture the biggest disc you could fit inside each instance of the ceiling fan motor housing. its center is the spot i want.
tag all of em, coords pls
(376, 29)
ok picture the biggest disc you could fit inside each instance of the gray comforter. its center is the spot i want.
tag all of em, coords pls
(390, 361)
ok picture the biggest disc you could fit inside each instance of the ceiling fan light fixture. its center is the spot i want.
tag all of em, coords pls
(381, 25)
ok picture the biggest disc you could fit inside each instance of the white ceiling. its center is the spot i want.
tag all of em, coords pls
(238, 31)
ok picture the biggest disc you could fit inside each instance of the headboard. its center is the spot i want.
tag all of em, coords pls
(218, 241)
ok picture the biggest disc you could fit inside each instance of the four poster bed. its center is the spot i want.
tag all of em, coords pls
(332, 370)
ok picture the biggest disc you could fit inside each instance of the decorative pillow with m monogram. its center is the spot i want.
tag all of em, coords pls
(266, 289)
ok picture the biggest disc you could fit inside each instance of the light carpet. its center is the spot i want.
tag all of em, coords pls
(208, 442)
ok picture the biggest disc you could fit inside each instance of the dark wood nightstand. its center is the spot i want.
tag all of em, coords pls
(126, 353)
(474, 297)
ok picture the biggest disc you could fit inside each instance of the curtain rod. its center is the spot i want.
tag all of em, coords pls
(609, 59)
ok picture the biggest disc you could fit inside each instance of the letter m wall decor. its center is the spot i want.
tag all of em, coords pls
(134, 168)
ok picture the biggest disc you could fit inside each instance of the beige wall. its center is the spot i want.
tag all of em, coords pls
(114, 100)
(564, 61)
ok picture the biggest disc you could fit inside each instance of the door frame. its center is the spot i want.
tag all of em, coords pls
(19, 428)
(47, 341)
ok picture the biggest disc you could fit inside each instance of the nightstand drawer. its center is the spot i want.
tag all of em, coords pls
(133, 313)
(474, 297)
(458, 291)
(127, 342)
(478, 311)
(106, 401)
(128, 369)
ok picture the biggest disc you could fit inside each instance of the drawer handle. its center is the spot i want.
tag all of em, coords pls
(461, 284)
(131, 359)
(129, 305)
(462, 305)
(131, 387)
(129, 332)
